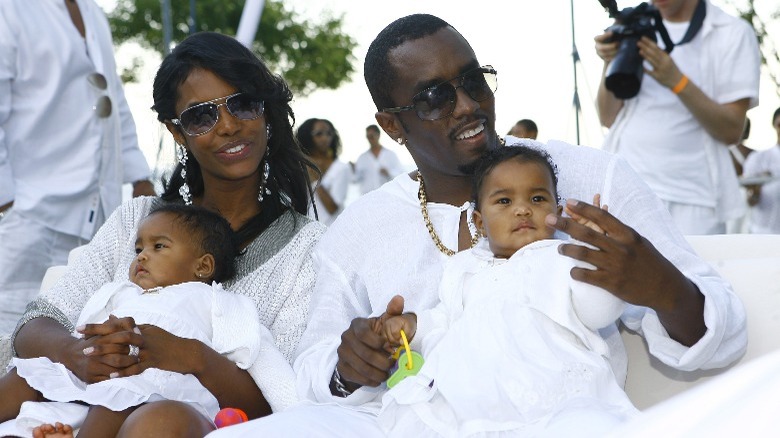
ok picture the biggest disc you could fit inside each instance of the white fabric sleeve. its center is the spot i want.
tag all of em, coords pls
(738, 65)
(595, 307)
(338, 183)
(136, 168)
(632, 201)
(396, 168)
(236, 328)
(134, 164)
(336, 301)
(7, 74)
(753, 165)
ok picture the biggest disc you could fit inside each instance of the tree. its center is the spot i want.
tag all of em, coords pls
(309, 55)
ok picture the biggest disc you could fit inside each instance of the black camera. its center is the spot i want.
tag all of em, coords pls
(624, 73)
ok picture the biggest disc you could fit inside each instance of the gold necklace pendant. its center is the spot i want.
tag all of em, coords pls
(154, 290)
(429, 225)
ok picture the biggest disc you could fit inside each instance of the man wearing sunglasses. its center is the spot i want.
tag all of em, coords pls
(435, 97)
(67, 140)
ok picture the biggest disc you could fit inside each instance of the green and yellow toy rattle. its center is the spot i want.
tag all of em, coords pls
(406, 365)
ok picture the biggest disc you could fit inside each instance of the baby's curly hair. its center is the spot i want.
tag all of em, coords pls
(524, 154)
(210, 232)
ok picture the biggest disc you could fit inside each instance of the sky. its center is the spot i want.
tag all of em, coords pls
(529, 42)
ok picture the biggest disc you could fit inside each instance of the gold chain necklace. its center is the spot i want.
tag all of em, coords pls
(429, 224)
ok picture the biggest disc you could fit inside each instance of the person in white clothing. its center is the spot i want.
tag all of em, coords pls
(377, 165)
(764, 197)
(431, 92)
(183, 253)
(237, 156)
(531, 337)
(67, 140)
(321, 142)
(690, 107)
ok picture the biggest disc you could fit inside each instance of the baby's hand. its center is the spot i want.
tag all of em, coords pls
(392, 327)
(588, 223)
(389, 324)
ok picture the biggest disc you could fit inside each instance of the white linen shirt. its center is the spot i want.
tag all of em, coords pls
(59, 162)
(367, 168)
(666, 145)
(765, 216)
(336, 182)
(380, 247)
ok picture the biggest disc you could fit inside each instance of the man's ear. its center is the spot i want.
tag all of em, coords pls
(178, 137)
(477, 218)
(204, 267)
(391, 125)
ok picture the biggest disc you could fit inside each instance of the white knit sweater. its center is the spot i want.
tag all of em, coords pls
(275, 272)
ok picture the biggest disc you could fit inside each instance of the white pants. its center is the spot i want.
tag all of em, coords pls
(27, 249)
(695, 219)
(307, 420)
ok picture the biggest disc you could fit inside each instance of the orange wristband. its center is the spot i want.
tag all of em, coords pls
(680, 85)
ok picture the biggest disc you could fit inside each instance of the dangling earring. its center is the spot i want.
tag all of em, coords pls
(184, 190)
(266, 174)
(267, 132)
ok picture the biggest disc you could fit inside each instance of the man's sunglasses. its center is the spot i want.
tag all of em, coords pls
(438, 102)
(201, 118)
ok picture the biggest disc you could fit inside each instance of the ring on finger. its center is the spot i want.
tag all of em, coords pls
(134, 350)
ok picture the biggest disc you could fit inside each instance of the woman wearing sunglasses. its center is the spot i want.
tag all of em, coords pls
(320, 141)
(232, 123)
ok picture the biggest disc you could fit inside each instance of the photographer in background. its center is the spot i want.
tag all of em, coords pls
(691, 105)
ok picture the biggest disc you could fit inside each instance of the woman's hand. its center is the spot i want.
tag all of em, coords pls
(104, 350)
(165, 351)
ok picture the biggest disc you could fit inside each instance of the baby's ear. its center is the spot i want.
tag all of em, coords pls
(559, 210)
(204, 268)
(477, 218)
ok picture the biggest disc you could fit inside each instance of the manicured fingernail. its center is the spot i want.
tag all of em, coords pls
(137, 330)
(87, 351)
(81, 328)
(113, 375)
(572, 202)
(551, 219)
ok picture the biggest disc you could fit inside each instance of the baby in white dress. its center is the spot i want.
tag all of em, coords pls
(183, 253)
(513, 347)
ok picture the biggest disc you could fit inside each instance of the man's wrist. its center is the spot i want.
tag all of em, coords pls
(337, 386)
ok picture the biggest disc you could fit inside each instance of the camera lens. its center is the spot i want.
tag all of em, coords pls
(624, 74)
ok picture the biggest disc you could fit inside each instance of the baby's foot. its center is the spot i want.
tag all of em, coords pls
(58, 430)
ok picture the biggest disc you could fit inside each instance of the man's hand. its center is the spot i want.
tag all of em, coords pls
(363, 358)
(664, 69)
(629, 266)
(606, 48)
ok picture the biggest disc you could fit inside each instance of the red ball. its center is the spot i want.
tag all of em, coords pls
(229, 416)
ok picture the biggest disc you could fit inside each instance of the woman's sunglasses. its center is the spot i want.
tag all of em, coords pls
(201, 118)
(438, 102)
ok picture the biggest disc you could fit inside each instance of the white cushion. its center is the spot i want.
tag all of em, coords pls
(751, 263)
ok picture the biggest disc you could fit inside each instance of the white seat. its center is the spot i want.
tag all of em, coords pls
(751, 263)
